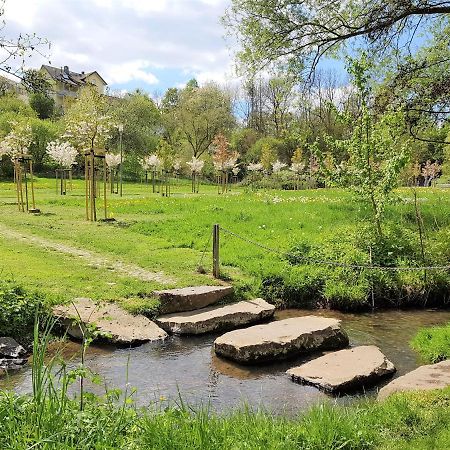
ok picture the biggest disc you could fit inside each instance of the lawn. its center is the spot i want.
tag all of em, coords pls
(169, 235)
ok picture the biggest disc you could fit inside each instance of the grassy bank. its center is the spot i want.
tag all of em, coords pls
(416, 421)
(433, 343)
(168, 235)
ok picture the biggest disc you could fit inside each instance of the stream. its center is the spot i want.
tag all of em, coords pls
(186, 367)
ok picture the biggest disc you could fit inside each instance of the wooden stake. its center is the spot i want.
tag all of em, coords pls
(216, 243)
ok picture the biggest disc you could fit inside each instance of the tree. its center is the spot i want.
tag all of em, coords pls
(89, 122)
(142, 127)
(43, 105)
(200, 115)
(305, 30)
(16, 50)
(377, 151)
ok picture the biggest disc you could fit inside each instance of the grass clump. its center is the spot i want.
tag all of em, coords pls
(433, 343)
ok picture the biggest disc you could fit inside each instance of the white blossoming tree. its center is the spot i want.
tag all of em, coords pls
(16, 145)
(64, 155)
(88, 129)
(152, 164)
(113, 162)
(196, 166)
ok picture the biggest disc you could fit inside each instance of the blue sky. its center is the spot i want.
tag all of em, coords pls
(147, 44)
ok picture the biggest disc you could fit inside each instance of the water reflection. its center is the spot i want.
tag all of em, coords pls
(188, 367)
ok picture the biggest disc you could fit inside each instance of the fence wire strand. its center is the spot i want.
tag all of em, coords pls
(331, 263)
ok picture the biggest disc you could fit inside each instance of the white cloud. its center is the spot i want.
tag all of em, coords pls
(131, 70)
(128, 40)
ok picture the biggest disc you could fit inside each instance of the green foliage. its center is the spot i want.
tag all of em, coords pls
(433, 343)
(18, 308)
(196, 116)
(376, 154)
(43, 105)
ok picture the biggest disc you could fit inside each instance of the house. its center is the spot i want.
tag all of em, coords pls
(67, 85)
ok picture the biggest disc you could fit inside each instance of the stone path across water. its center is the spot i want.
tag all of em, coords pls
(206, 320)
(281, 339)
(424, 378)
(95, 259)
(344, 370)
(108, 320)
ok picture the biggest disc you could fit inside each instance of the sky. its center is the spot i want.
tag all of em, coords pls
(147, 44)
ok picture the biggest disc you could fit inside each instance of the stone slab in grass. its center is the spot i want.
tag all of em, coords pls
(109, 321)
(344, 370)
(424, 378)
(191, 298)
(214, 318)
(281, 339)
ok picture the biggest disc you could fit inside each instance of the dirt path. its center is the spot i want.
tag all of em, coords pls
(94, 259)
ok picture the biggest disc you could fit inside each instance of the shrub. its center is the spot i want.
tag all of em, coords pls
(17, 310)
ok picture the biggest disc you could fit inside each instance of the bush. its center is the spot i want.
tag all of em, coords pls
(18, 311)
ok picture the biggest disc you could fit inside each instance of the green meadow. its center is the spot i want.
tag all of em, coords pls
(172, 237)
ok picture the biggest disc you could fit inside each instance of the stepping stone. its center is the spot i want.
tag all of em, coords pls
(108, 321)
(214, 318)
(190, 298)
(344, 370)
(424, 378)
(281, 339)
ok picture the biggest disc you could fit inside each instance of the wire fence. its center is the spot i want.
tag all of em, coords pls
(324, 262)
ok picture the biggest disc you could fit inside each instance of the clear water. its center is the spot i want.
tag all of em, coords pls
(187, 367)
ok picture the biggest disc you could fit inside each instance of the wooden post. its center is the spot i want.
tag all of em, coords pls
(33, 202)
(86, 180)
(371, 279)
(105, 183)
(216, 260)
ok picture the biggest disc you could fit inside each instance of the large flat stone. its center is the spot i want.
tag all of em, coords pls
(281, 339)
(109, 321)
(344, 370)
(424, 378)
(191, 298)
(215, 318)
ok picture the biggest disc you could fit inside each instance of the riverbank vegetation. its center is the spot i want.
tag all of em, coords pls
(433, 343)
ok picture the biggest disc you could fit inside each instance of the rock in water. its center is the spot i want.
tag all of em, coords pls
(214, 318)
(424, 378)
(9, 348)
(108, 321)
(281, 339)
(190, 298)
(12, 355)
(344, 370)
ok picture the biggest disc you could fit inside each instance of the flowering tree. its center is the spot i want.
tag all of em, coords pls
(196, 166)
(430, 171)
(166, 154)
(16, 145)
(224, 160)
(113, 161)
(152, 164)
(64, 155)
(277, 166)
(88, 128)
